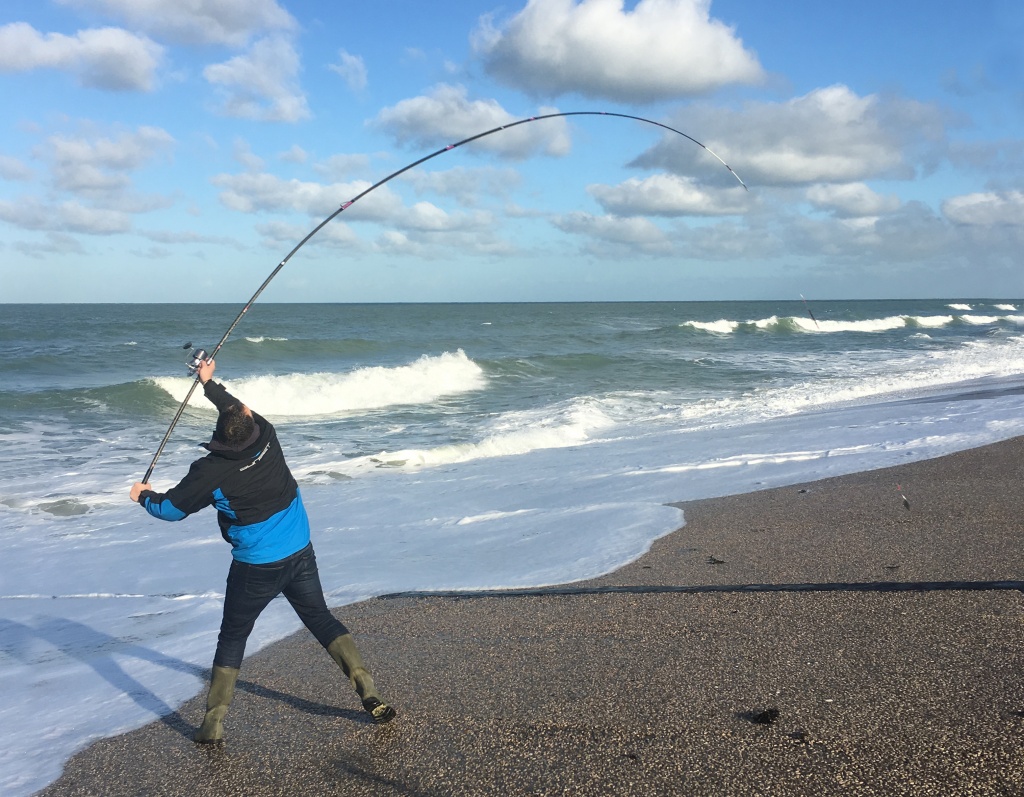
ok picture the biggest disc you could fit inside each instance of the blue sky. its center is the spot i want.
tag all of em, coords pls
(156, 151)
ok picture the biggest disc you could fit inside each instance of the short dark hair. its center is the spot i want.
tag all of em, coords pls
(234, 425)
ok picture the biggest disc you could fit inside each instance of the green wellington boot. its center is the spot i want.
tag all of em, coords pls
(345, 653)
(222, 689)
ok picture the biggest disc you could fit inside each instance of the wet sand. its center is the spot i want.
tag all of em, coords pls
(816, 639)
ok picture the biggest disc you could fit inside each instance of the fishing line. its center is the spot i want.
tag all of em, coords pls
(199, 354)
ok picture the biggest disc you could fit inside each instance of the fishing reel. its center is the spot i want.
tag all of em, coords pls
(196, 358)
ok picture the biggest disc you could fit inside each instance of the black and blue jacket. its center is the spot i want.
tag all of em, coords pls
(259, 507)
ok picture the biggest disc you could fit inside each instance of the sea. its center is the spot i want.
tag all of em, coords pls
(437, 447)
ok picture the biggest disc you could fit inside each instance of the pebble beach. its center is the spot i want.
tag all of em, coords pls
(858, 635)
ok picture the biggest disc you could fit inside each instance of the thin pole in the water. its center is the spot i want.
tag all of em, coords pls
(344, 206)
(808, 308)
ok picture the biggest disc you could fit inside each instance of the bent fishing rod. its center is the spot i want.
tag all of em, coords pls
(199, 355)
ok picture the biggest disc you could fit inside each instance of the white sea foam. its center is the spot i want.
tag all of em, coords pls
(974, 360)
(959, 306)
(263, 339)
(1009, 307)
(980, 319)
(766, 323)
(932, 320)
(319, 394)
(488, 516)
(806, 324)
(720, 327)
(512, 434)
(867, 325)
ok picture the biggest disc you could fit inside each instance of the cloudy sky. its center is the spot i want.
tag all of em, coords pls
(177, 151)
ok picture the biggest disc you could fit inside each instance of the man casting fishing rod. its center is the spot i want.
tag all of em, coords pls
(260, 512)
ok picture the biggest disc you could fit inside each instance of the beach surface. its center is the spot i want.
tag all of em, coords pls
(815, 639)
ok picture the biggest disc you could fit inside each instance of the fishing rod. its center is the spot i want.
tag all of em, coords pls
(807, 307)
(199, 355)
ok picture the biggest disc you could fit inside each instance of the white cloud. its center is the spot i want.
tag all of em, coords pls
(230, 22)
(830, 135)
(151, 253)
(427, 217)
(14, 169)
(243, 153)
(97, 171)
(254, 193)
(446, 115)
(912, 233)
(661, 49)
(352, 70)
(465, 185)
(81, 165)
(669, 195)
(261, 84)
(266, 193)
(64, 217)
(55, 243)
(294, 155)
(281, 232)
(397, 243)
(413, 242)
(851, 200)
(185, 237)
(635, 232)
(102, 58)
(335, 235)
(1001, 157)
(727, 241)
(337, 167)
(1005, 208)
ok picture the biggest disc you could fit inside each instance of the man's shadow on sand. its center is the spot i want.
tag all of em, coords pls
(97, 650)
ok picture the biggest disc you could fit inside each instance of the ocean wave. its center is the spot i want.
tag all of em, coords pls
(980, 320)
(273, 348)
(789, 324)
(512, 434)
(975, 360)
(318, 394)
(524, 434)
(930, 321)
(720, 327)
(592, 418)
(866, 325)
(966, 307)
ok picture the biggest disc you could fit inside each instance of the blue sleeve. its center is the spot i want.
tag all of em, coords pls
(162, 509)
(188, 496)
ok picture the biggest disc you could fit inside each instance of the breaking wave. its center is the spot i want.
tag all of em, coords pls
(724, 326)
(424, 381)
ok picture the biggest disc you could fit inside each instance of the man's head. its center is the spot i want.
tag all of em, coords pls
(234, 425)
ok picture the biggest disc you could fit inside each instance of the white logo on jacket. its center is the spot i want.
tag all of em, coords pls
(255, 461)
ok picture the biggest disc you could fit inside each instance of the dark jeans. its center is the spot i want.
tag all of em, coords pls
(251, 587)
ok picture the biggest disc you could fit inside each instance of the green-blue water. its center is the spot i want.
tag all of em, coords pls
(353, 381)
